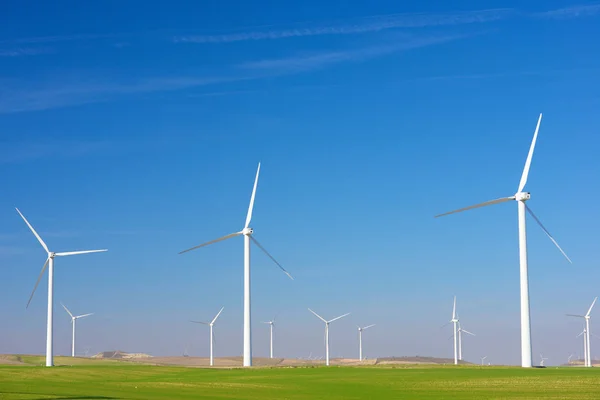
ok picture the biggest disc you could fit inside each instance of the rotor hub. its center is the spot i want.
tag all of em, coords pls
(247, 231)
(522, 196)
(51, 255)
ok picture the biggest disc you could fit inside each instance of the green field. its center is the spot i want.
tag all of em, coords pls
(123, 380)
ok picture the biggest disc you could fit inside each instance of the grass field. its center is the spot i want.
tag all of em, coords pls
(97, 379)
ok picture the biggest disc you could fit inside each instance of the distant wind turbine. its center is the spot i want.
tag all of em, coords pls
(460, 331)
(50, 264)
(586, 338)
(327, 332)
(360, 331)
(454, 322)
(212, 338)
(521, 197)
(585, 353)
(247, 233)
(542, 360)
(73, 319)
(271, 325)
(483, 358)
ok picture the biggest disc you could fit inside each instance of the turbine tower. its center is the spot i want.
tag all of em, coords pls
(327, 332)
(585, 358)
(360, 331)
(247, 233)
(73, 319)
(586, 331)
(460, 331)
(50, 264)
(454, 322)
(521, 197)
(482, 359)
(211, 338)
(271, 325)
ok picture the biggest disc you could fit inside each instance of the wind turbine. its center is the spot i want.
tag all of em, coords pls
(521, 197)
(73, 319)
(212, 338)
(50, 264)
(542, 360)
(271, 325)
(460, 331)
(360, 331)
(483, 358)
(585, 358)
(586, 331)
(454, 322)
(247, 233)
(569, 359)
(327, 332)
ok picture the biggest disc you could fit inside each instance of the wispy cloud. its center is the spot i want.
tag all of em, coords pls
(22, 97)
(361, 25)
(320, 60)
(22, 51)
(572, 12)
(10, 251)
(17, 152)
(55, 39)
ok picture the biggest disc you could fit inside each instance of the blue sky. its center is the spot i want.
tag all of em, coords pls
(137, 127)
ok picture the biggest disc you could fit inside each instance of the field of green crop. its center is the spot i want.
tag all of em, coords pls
(122, 380)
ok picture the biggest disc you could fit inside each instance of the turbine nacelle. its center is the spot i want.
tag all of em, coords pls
(522, 196)
(247, 231)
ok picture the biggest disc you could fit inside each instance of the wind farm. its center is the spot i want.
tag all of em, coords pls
(279, 188)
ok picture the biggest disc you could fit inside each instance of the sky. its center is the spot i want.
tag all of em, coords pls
(138, 127)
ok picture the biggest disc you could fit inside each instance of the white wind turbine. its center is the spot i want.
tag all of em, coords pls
(460, 331)
(586, 332)
(585, 359)
(521, 197)
(360, 331)
(50, 264)
(482, 359)
(247, 233)
(454, 322)
(542, 359)
(271, 325)
(73, 319)
(327, 332)
(212, 338)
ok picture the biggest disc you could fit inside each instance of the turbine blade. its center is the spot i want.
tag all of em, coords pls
(318, 316)
(73, 253)
(212, 241)
(34, 232)
(368, 326)
(336, 318)
(38, 281)
(529, 156)
(594, 335)
(84, 315)
(486, 203)
(217, 316)
(200, 322)
(454, 309)
(592, 306)
(251, 206)
(67, 310)
(582, 332)
(467, 332)
(547, 233)
(575, 315)
(271, 257)
(445, 325)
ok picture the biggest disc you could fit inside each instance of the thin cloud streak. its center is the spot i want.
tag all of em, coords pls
(311, 62)
(362, 25)
(20, 52)
(572, 12)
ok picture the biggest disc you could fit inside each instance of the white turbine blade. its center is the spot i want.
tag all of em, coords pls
(529, 156)
(67, 310)
(592, 306)
(271, 257)
(318, 316)
(336, 318)
(73, 253)
(212, 241)
(445, 325)
(84, 315)
(547, 233)
(582, 332)
(200, 322)
(467, 332)
(594, 335)
(251, 206)
(575, 315)
(454, 309)
(217, 316)
(38, 281)
(486, 203)
(34, 232)
(368, 326)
